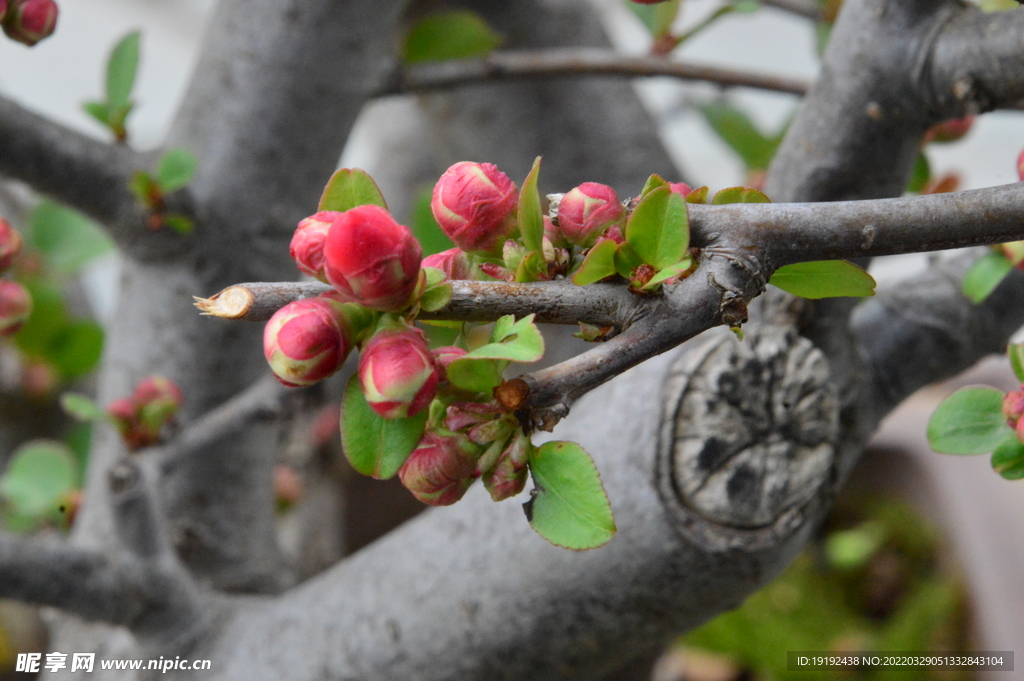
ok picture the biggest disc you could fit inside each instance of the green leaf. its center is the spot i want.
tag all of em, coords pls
(40, 474)
(179, 223)
(824, 279)
(657, 18)
(517, 342)
(76, 350)
(970, 421)
(626, 259)
(668, 273)
(531, 220)
(739, 132)
(653, 182)
(599, 263)
(121, 68)
(658, 229)
(1015, 351)
(698, 195)
(374, 445)
(425, 228)
(921, 174)
(348, 188)
(81, 407)
(479, 375)
(1008, 458)
(852, 549)
(436, 297)
(65, 238)
(176, 168)
(569, 506)
(99, 111)
(70, 346)
(984, 275)
(455, 34)
(143, 186)
(738, 195)
(531, 268)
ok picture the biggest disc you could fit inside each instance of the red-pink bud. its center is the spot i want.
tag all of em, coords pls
(398, 373)
(29, 21)
(949, 131)
(15, 306)
(587, 212)
(372, 260)
(508, 477)
(476, 205)
(10, 241)
(38, 378)
(452, 262)
(157, 389)
(680, 188)
(288, 487)
(306, 341)
(1013, 407)
(3, 9)
(307, 247)
(441, 468)
(462, 414)
(1020, 166)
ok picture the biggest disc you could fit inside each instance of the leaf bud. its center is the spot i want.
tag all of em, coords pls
(397, 372)
(587, 212)
(29, 21)
(15, 306)
(10, 243)
(372, 260)
(477, 207)
(306, 341)
(441, 468)
(158, 399)
(508, 477)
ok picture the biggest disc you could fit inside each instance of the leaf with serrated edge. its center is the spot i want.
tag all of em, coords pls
(658, 229)
(531, 220)
(984, 275)
(570, 507)
(521, 342)
(1015, 351)
(824, 279)
(668, 273)
(970, 421)
(599, 263)
(348, 188)
(1008, 458)
(373, 445)
(476, 374)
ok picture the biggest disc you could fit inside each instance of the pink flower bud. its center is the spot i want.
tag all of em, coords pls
(508, 477)
(158, 400)
(307, 247)
(398, 373)
(124, 413)
(1013, 407)
(452, 262)
(29, 21)
(306, 341)
(587, 212)
(10, 241)
(462, 414)
(441, 468)
(680, 188)
(476, 205)
(288, 487)
(15, 306)
(372, 260)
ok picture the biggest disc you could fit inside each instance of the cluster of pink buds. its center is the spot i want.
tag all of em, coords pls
(28, 21)
(15, 301)
(141, 417)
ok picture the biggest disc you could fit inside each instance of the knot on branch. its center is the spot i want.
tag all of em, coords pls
(751, 428)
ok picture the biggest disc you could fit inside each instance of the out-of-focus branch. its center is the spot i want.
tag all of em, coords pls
(804, 8)
(559, 62)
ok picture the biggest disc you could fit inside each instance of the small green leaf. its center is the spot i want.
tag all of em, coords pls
(348, 188)
(658, 229)
(82, 408)
(436, 297)
(65, 238)
(455, 34)
(970, 421)
(531, 268)
(175, 169)
(653, 182)
(668, 273)
(143, 186)
(626, 260)
(477, 375)
(984, 275)
(424, 226)
(520, 342)
(738, 195)
(853, 548)
(1015, 351)
(77, 349)
(698, 195)
(1008, 458)
(99, 111)
(531, 220)
(179, 223)
(739, 132)
(40, 474)
(921, 174)
(71, 347)
(569, 506)
(121, 69)
(824, 279)
(658, 18)
(599, 263)
(374, 445)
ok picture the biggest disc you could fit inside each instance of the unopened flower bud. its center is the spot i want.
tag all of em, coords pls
(1013, 407)
(307, 246)
(158, 400)
(680, 188)
(452, 262)
(124, 413)
(38, 378)
(372, 260)
(441, 468)
(306, 341)
(398, 373)
(508, 477)
(462, 414)
(587, 212)
(15, 306)
(10, 241)
(476, 205)
(29, 21)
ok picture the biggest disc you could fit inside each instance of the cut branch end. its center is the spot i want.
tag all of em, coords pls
(233, 302)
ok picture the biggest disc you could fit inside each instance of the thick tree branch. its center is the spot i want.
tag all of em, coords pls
(560, 62)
